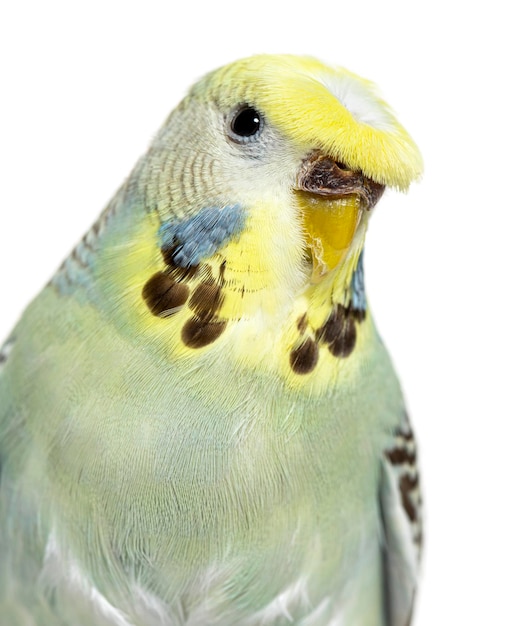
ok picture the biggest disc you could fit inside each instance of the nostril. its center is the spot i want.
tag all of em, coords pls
(342, 166)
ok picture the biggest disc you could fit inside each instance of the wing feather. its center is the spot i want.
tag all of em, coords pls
(400, 502)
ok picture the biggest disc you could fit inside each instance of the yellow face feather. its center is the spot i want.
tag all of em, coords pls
(324, 107)
(245, 305)
(278, 294)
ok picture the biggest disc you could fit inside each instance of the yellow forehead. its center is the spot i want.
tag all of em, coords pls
(321, 107)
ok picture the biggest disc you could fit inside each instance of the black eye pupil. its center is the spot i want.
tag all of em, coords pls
(247, 122)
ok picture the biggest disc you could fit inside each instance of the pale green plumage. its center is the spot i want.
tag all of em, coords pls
(148, 482)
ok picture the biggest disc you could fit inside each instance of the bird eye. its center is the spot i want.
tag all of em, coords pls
(245, 124)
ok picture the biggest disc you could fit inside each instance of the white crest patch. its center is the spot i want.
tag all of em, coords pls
(360, 100)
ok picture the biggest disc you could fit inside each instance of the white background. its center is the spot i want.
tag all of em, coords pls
(86, 84)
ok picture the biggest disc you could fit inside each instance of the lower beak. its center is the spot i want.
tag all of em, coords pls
(332, 200)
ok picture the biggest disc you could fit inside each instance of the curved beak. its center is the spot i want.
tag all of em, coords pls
(332, 199)
(323, 176)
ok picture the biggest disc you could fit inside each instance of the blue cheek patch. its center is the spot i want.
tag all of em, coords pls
(357, 283)
(192, 240)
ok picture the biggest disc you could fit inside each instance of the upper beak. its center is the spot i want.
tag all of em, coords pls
(332, 199)
(323, 176)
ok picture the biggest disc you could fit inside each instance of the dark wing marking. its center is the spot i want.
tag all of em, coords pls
(400, 502)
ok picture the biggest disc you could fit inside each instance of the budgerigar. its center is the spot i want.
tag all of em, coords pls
(199, 423)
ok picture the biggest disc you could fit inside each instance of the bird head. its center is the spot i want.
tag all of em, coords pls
(262, 181)
(315, 145)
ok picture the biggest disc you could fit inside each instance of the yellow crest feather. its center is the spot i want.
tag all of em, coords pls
(324, 107)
